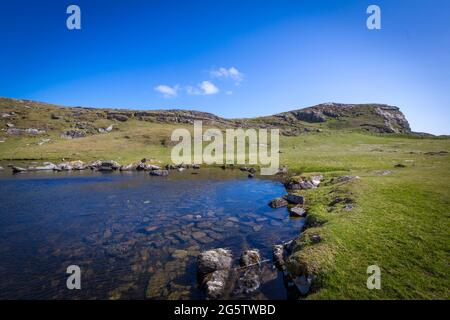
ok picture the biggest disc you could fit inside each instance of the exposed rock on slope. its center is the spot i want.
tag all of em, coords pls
(67, 120)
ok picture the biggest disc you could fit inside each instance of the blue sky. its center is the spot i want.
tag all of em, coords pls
(232, 58)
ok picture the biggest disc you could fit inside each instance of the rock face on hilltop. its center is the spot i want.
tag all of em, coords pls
(372, 117)
(26, 117)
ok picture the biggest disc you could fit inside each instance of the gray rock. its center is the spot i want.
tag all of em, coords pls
(315, 238)
(278, 203)
(45, 167)
(295, 199)
(278, 256)
(16, 169)
(213, 269)
(250, 266)
(117, 116)
(128, 167)
(159, 173)
(315, 180)
(297, 211)
(73, 134)
(108, 165)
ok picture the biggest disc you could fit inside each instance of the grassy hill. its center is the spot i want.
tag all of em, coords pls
(400, 207)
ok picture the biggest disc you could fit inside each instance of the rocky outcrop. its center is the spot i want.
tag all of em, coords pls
(214, 268)
(122, 117)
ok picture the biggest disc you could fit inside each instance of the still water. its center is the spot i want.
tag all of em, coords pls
(133, 236)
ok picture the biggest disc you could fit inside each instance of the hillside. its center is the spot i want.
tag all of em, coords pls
(26, 117)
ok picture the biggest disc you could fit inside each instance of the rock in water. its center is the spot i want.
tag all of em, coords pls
(249, 280)
(297, 211)
(159, 173)
(295, 199)
(278, 203)
(213, 270)
(278, 256)
(16, 169)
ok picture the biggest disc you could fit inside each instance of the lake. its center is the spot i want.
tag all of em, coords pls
(133, 236)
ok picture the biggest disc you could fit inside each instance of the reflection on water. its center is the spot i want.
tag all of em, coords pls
(133, 236)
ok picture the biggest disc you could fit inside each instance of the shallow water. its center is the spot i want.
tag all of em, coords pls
(124, 230)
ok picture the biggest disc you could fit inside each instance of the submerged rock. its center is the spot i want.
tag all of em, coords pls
(278, 256)
(278, 203)
(213, 270)
(159, 173)
(250, 266)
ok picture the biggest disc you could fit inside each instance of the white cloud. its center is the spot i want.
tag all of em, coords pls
(167, 91)
(230, 73)
(204, 88)
(208, 87)
(229, 93)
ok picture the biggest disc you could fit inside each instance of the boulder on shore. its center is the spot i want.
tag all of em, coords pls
(16, 169)
(297, 211)
(213, 271)
(128, 167)
(45, 167)
(295, 199)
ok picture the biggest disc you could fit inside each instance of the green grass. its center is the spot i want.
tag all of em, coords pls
(400, 222)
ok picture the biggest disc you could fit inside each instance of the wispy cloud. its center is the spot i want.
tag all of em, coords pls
(167, 91)
(228, 73)
(204, 88)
